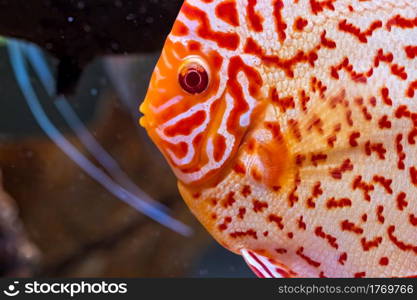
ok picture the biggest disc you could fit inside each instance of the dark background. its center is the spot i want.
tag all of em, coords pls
(62, 223)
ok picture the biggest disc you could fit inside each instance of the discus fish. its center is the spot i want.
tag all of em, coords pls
(291, 126)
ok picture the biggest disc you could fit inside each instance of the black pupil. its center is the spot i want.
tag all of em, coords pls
(194, 79)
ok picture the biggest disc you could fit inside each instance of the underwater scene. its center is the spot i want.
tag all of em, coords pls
(208, 138)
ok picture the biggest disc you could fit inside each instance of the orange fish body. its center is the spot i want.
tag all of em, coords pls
(292, 128)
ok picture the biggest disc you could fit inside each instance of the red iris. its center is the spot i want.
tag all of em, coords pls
(193, 78)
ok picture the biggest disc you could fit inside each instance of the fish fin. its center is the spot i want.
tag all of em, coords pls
(342, 124)
(265, 267)
(336, 116)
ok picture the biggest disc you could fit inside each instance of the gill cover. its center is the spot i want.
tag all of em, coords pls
(202, 98)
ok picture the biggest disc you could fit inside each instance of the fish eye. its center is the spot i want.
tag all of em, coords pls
(193, 76)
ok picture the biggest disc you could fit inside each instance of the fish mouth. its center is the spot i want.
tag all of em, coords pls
(143, 119)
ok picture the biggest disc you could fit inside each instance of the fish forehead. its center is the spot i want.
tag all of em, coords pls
(324, 184)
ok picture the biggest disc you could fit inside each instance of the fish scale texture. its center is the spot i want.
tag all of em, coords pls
(302, 148)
